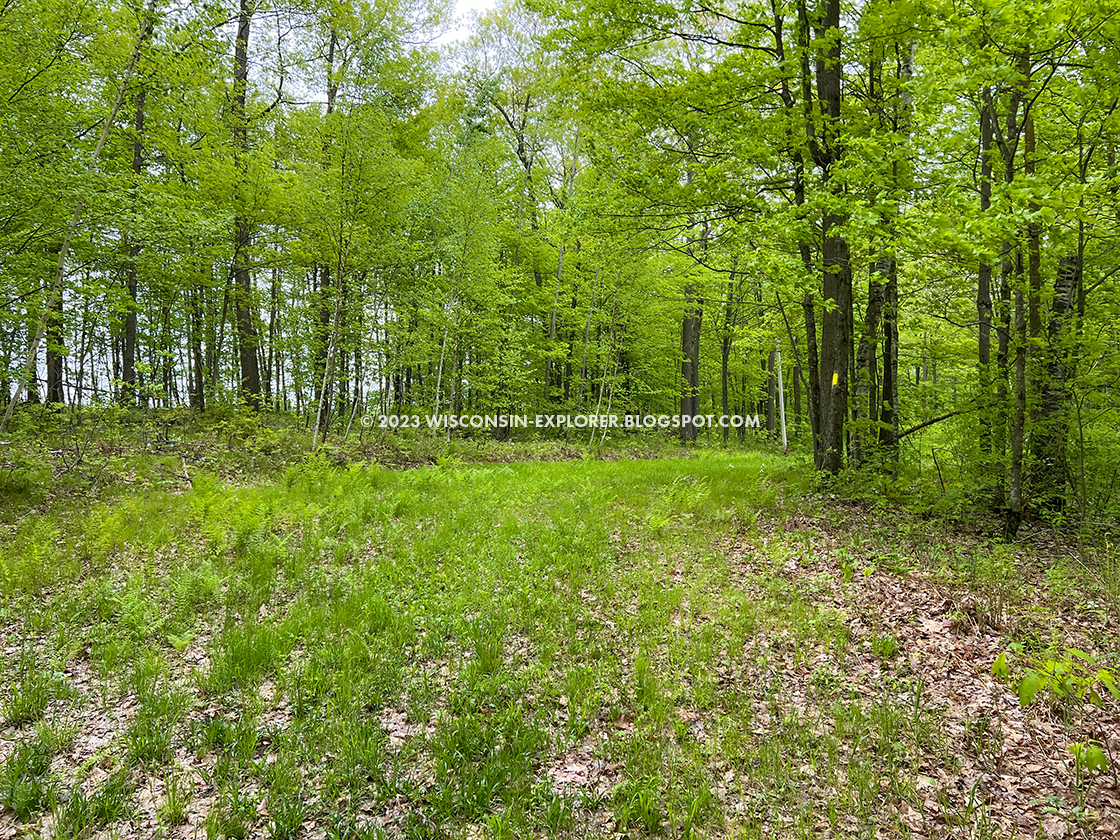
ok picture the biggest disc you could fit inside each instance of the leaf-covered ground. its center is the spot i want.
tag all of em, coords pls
(697, 647)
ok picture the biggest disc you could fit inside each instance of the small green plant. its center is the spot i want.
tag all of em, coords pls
(1087, 758)
(348, 826)
(233, 815)
(884, 647)
(1063, 681)
(288, 805)
(35, 686)
(84, 813)
(640, 802)
(488, 646)
(25, 786)
(172, 811)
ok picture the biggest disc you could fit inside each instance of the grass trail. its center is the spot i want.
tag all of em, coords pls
(683, 648)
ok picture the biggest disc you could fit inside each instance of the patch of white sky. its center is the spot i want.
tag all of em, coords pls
(463, 24)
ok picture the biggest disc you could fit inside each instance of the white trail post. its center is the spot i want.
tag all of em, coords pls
(781, 396)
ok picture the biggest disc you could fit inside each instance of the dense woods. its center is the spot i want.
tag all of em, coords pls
(316, 209)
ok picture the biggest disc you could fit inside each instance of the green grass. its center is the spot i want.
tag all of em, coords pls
(658, 647)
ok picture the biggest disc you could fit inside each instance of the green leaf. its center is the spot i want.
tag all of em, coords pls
(1109, 682)
(1089, 757)
(1032, 683)
(1000, 669)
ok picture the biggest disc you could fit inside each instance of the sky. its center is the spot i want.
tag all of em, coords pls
(463, 11)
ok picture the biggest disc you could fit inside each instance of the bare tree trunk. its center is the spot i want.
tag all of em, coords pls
(197, 392)
(836, 334)
(797, 395)
(984, 278)
(690, 362)
(1049, 467)
(1015, 512)
(864, 408)
(128, 356)
(244, 314)
(888, 418)
(56, 352)
(771, 394)
(813, 365)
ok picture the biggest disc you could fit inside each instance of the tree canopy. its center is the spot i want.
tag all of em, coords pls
(317, 209)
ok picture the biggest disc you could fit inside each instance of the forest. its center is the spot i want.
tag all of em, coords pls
(247, 247)
(323, 211)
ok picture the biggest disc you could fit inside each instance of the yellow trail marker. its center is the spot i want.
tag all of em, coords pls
(835, 379)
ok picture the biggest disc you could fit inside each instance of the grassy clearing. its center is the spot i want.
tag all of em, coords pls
(666, 647)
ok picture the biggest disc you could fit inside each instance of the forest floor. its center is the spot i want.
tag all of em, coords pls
(681, 647)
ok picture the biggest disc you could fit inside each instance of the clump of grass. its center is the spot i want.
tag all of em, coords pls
(234, 814)
(884, 647)
(640, 802)
(25, 786)
(83, 814)
(148, 741)
(483, 760)
(288, 804)
(227, 738)
(35, 685)
(172, 811)
(244, 652)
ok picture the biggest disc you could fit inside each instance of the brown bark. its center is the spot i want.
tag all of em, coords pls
(1049, 430)
(128, 354)
(864, 405)
(836, 334)
(56, 353)
(244, 306)
(690, 362)
(984, 277)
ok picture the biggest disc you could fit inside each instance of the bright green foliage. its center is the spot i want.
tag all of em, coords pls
(1089, 757)
(1071, 678)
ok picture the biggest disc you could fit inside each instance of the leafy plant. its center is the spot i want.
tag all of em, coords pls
(1088, 758)
(1072, 678)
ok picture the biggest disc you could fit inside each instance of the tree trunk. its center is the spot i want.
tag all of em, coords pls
(836, 335)
(56, 353)
(690, 362)
(984, 279)
(128, 355)
(1018, 426)
(244, 314)
(812, 363)
(1048, 435)
(771, 395)
(864, 408)
(797, 395)
(197, 391)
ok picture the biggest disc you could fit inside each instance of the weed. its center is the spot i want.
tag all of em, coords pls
(25, 786)
(36, 684)
(640, 802)
(287, 804)
(234, 814)
(348, 826)
(148, 740)
(884, 647)
(172, 811)
(84, 813)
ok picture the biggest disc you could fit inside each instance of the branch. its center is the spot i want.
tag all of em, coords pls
(921, 426)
